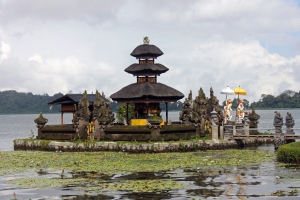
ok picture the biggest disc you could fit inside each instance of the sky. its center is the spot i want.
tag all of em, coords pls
(53, 46)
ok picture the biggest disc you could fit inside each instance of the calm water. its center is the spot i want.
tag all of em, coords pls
(20, 126)
(259, 180)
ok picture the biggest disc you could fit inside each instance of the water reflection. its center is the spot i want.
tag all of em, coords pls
(257, 180)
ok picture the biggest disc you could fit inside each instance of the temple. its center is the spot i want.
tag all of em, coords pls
(146, 94)
(93, 119)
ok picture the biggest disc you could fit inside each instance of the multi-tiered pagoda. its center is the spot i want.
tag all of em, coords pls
(147, 94)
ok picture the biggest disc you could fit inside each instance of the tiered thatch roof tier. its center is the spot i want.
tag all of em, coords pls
(146, 69)
(147, 92)
(146, 51)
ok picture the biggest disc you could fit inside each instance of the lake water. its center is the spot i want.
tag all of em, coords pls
(259, 180)
(21, 126)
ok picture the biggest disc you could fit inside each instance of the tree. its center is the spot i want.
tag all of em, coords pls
(287, 99)
(246, 103)
(121, 112)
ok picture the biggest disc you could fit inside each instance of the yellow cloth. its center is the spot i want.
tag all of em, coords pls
(142, 122)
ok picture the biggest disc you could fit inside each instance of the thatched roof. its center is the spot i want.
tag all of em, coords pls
(146, 50)
(154, 69)
(75, 98)
(147, 90)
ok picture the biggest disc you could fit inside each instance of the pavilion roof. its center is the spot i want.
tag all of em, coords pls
(147, 90)
(75, 98)
(146, 50)
(154, 69)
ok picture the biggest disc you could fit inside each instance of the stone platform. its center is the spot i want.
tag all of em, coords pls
(134, 147)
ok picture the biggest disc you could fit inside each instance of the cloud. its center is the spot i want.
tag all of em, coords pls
(36, 57)
(5, 50)
(219, 63)
(52, 46)
(79, 10)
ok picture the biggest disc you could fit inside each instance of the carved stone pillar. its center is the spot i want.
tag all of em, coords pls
(289, 123)
(228, 131)
(81, 117)
(214, 126)
(239, 127)
(246, 129)
(214, 132)
(278, 136)
(253, 117)
(154, 125)
(40, 123)
(102, 131)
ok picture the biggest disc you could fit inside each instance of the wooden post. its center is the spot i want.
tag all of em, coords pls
(167, 112)
(62, 118)
(127, 113)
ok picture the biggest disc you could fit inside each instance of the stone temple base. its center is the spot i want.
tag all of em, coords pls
(121, 132)
(150, 147)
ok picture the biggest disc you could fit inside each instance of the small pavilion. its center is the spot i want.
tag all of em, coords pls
(146, 94)
(69, 102)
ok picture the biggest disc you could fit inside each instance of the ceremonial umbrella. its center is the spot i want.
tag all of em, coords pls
(239, 91)
(227, 91)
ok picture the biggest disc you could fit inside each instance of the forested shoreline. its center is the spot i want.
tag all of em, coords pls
(13, 102)
(287, 99)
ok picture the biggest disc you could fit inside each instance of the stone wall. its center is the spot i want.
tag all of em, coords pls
(151, 147)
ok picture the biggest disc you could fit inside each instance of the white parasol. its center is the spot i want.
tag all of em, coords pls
(227, 91)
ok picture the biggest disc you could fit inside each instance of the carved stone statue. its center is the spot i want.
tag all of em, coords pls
(98, 105)
(277, 119)
(213, 103)
(186, 114)
(240, 113)
(227, 109)
(198, 111)
(253, 117)
(289, 122)
(81, 116)
(102, 114)
(82, 110)
(279, 136)
(199, 114)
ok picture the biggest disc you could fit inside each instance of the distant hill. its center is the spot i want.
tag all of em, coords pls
(287, 99)
(13, 102)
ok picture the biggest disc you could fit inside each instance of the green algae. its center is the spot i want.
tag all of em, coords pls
(38, 182)
(122, 162)
(98, 185)
(85, 171)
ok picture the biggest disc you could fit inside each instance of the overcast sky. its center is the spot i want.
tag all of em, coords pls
(51, 46)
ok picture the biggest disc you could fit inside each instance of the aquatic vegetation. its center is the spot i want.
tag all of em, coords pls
(122, 162)
(289, 153)
(38, 182)
(139, 186)
(292, 192)
(98, 185)
(86, 171)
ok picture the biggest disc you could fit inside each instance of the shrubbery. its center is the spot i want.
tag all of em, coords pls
(289, 153)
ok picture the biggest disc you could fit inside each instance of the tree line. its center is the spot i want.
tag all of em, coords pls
(287, 99)
(13, 102)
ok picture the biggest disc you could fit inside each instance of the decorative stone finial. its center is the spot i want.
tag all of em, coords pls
(146, 40)
(41, 121)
